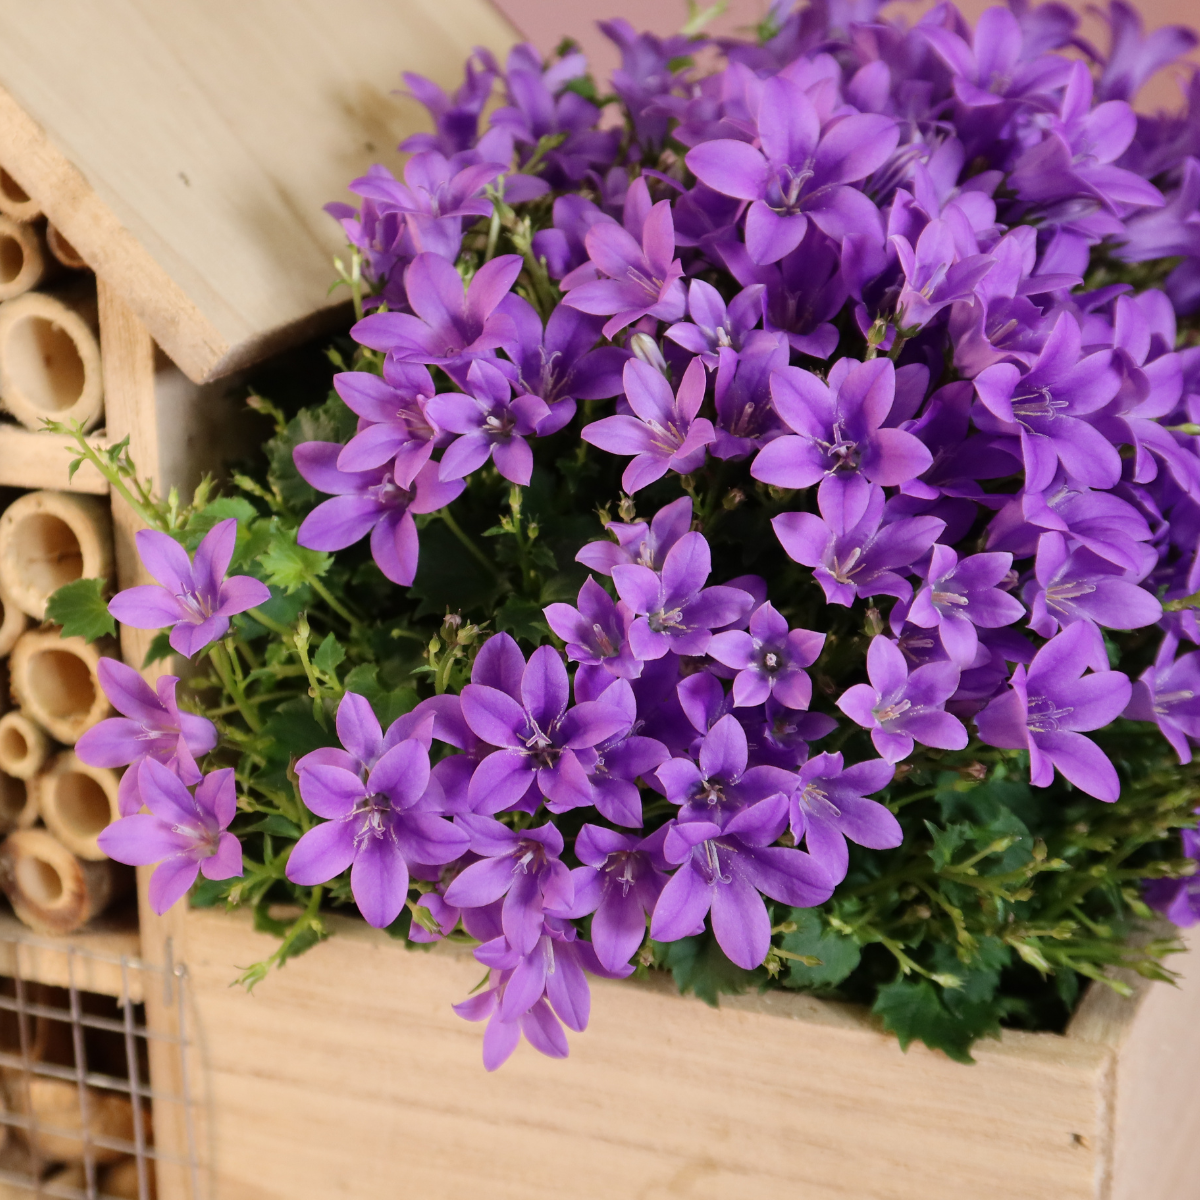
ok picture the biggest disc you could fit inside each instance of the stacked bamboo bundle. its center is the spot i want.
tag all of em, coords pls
(52, 806)
(49, 341)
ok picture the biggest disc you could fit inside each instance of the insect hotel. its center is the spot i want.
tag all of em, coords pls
(161, 232)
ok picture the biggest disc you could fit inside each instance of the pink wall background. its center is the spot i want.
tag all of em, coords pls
(545, 22)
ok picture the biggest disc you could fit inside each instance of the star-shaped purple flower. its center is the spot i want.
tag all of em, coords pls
(1168, 693)
(378, 827)
(899, 708)
(1046, 710)
(194, 599)
(151, 726)
(639, 542)
(369, 502)
(596, 632)
(769, 660)
(185, 832)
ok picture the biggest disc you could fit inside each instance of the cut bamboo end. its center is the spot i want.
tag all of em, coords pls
(18, 808)
(56, 1103)
(121, 1181)
(55, 681)
(13, 623)
(48, 539)
(24, 747)
(50, 359)
(63, 250)
(15, 201)
(50, 889)
(22, 258)
(77, 802)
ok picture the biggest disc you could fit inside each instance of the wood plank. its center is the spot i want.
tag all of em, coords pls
(186, 149)
(775, 1096)
(96, 951)
(29, 459)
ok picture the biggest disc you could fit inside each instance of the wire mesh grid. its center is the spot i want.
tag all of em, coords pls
(80, 1105)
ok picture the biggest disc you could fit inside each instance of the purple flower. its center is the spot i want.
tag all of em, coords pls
(851, 553)
(363, 742)
(935, 274)
(1134, 57)
(728, 868)
(597, 632)
(394, 422)
(839, 439)
(195, 600)
(638, 280)
(959, 595)
(1078, 585)
(640, 543)
(802, 171)
(449, 324)
(675, 611)
(1045, 709)
(718, 783)
(490, 424)
(1046, 407)
(184, 832)
(769, 660)
(151, 727)
(665, 435)
(620, 882)
(713, 326)
(541, 739)
(455, 117)
(378, 827)
(1168, 693)
(521, 866)
(829, 805)
(620, 762)
(899, 708)
(1178, 899)
(369, 502)
(746, 418)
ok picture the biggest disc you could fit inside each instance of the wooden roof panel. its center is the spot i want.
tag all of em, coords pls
(186, 149)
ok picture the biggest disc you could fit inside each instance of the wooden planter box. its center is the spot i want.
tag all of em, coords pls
(347, 1074)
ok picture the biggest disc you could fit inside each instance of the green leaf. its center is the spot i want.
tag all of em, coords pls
(221, 509)
(208, 893)
(158, 649)
(387, 704)
(523, 619)
(273, 823)
(699, 965)
(947, 842)
(293, 730)
(80, 608)
(330, 422)
(912, 1009)
(329, 655)
(290, 566)
(839, 954)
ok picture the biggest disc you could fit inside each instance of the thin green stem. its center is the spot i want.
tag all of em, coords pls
(333, 602)
(266, 622)
(474, 550)
(224, 668)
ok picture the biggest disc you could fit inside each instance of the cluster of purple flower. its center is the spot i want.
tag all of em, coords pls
(929, 194)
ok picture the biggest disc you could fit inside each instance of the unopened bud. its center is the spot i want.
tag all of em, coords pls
(733, 498)
(874, 623)
(646, 348)
(627, 510)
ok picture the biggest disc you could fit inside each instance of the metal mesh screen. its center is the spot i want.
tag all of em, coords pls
(80, 1107)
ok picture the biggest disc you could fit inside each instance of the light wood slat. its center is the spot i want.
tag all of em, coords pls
(186, 149)
(29, 459)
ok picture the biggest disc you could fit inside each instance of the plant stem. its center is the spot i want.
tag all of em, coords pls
(333, 602)
(224, 669)
(475, 551)
(274, 626)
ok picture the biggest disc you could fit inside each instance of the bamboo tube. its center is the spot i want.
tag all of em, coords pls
(15, 201)
(51, 538)
(22, 258)
(54, 680)
(51, 890)
(18, 805)
(50, 359)
(121, 1181)
(23, 746)
(77, 802)
(62, 249)
(55, 1103)
(13, 623)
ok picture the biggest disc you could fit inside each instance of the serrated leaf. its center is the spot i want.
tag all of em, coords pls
(523, 619)
(292, 730)
(699, 965)
(221, 509)
(158, 649)
(912, 1009)
(290, 566)
(80, 608)
(947, 842)
(838, 955)
(329, 655)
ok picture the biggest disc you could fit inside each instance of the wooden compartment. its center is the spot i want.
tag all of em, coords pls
(348, 1072)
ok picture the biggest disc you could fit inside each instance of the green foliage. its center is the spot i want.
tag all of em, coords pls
(698, 965)
(836, 955)
(81, 609)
